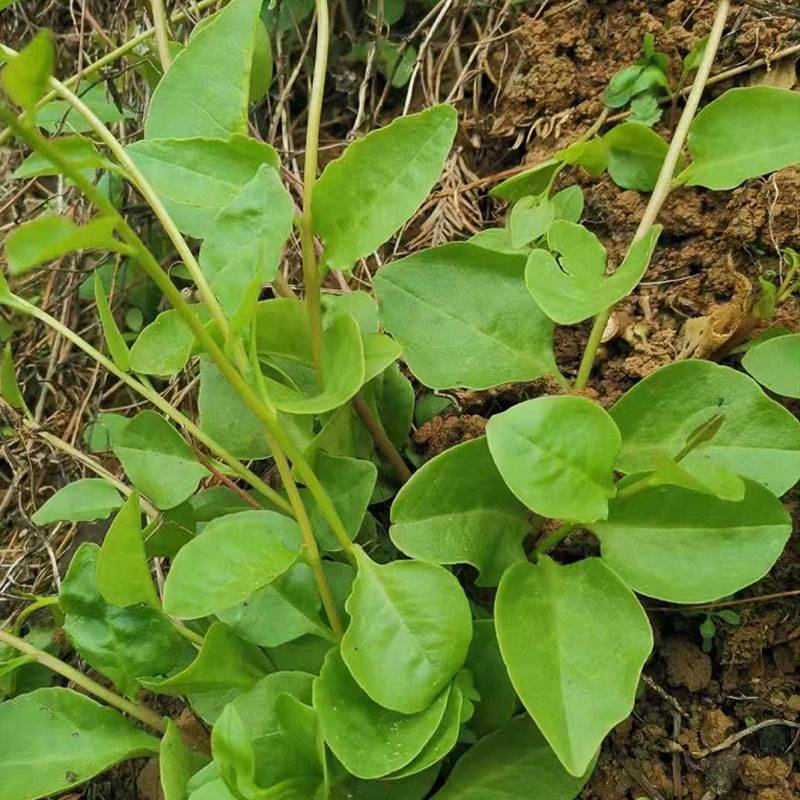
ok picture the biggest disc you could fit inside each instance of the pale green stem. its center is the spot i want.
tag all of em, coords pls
(664, 183)
(136, 710)
(162, 34)
(554, 539)
(32, 608)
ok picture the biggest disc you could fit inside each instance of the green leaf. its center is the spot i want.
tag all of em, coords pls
(557, 455)
(232, 256)
(83, 500)
(454, 332)
(224, 662)
(157, 460)
(391, 397)
(369, 740)
(379, 352)
(694, 56)
(498, 239)
(26, 76)
(746, 132)
(59, 115)
(164, 347)
(507, 764)
(708, 477)
(686, 547)
(646, 110)
(121, 643)
(409, 632)
(196, 178)
(530, 219)
(360, 305)
(592, 155)
(48, 238)
(457, 509)
(123, 575)
(55, 739)
(572, 285)
(114, 341)
(101, 433)
(9, 386)
(635, 156)
(416, 787)
(79, 151)
(533, 181)
(498, 699)
(568, 204)
(366, 194)
(261, 72)
(233, 557)
(177, 763)
(775, 364)
(758, 438)
(206, 89)
(574, 639)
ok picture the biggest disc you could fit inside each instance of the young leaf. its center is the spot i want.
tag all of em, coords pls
(530, 219)
(177, 762)
(505, 766)
(694, 57)
(409, 632)
(369, 740)
(196, 178)
(233, 557)
(725, 151)
(225, 661)
(457, 509)
(758, 438)
(9, 386)
(574, 639)
(55, 739)
(206, 89)
(101, 433)
(635, 156)
(123, 575)
(79, 151)
(48, 238)
(366, 194)
(685, 547)
(83, 500)
(557, 455)
(646, 110)
(482, 338)
(568, 204)
(592, 155)
(25, 77)
(707, 476)
(573, 286)
(533, 181)
(123, 644)
(114, 341)
(164, 347)
(157, 460)
(775, 364)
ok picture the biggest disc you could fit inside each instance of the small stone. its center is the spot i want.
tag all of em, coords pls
(715, 727)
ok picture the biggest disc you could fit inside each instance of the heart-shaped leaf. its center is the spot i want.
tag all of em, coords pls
(635, 156)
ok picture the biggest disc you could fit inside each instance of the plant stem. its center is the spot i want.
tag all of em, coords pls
(162, 34)
(382, 441)
(136, 710)
(311, 271)
(555, 538)
(664, 183)
(40, 602)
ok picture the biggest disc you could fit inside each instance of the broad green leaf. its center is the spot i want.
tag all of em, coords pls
(570, 284)
(508, 765)
(25, 77)
(205, 91)
(196, 178)
(415, 787)
(224, 662)
(391, 396)
(305, 654)
(530, 219)
(557, 455)
(454, 332)
(177, 763)
(592, 155)
(261, 72)
(59, 115)
(366, 194)
(246, 239)
(123, 575)
(497, 239)
(56, 739)
(379, 352)
(233, 557)
(48, 238)
(707, 476)
(533, 181)
(79, 151)
(360, 305)
(498, 698)
(409, 631)
(758, 438)
(574, 639)
(20, 674)
(635, 156)
(163, 348)
(157, 460)
(349, 482)
(568, 203)
(746, 132)
(114, 342)
(369, 740)
(685, 547)
(280, 612)
(457, 509)
(775, 364)
(83, 500)
(123, 644)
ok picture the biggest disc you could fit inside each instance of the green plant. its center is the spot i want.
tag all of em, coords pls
(326, 665)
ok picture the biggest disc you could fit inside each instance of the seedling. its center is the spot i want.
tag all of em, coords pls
(327, 663)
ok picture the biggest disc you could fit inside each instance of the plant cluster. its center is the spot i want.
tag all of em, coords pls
(329, 660)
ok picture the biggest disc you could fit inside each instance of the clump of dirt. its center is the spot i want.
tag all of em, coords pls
(441, 433)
